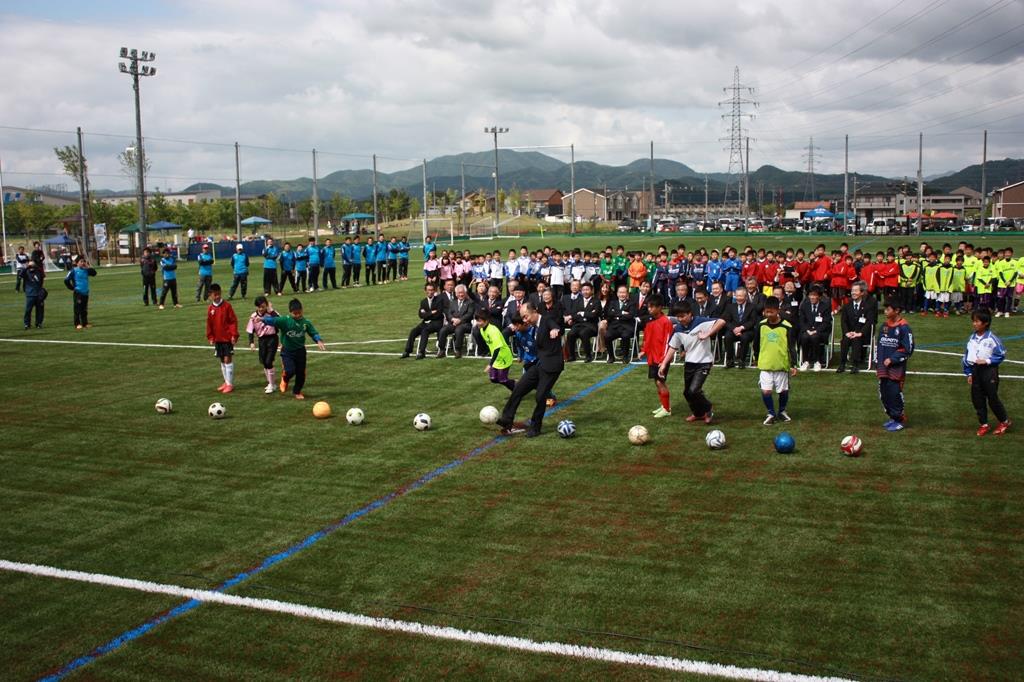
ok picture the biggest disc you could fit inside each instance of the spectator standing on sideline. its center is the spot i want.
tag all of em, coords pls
(169, 274)
(240, 271)
(314, 258)
(205, 260)
(271, 254)
(21, 261)
(35, 293)
(147, 266)
(328, 256)
(895, 346)
(78, 281)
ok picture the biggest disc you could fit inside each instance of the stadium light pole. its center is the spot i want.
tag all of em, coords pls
(135, 71)
(496, 130)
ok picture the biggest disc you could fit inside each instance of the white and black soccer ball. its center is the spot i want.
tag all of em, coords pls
(355, 416)
(164, 406)
(421, 422)
(638, 435)
(217, 411)
(489, 414)
(566, 428)
(715, 440)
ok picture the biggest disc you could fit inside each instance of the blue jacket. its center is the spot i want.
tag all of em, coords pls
(80, 277)
(526, 344)
(988, 343)
(301, 259)
(270, 256)
(403, 250)
(240, 263)
(33, 279)
(699, 272)
(895, 343)
(205, 264)
(715, 271)
(427, 248)
(167, 268)
(369, 253)
(347, 251)
(393, 249)
(313, 254)
(287, 261)
(382, 251)
(732, 269)
(327, 255)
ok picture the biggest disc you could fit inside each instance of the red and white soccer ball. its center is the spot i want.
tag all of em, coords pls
(851, 446)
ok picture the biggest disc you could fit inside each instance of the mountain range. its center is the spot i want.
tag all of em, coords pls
(534, 170)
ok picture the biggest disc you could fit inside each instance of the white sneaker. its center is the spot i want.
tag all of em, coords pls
(269, 388)
(817, 367)
(769, 420)
(805, 366)
(661, 412)
(783, 416)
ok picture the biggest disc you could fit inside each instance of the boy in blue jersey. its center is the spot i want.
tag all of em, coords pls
(271, 254)
(895, 346)
(346, 263)
(369, 252)
(287, 268)
(327, 257)
(301, 266)
(428, 246)
(314, 257)
(524, 341)
(168, 270)
(392, 253)
(403, 259)
(381, 257)
(985, 352)
(78, 281)
(240, 270)
(205, 260)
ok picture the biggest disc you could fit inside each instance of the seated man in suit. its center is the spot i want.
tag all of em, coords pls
(755, 296)
(740, 317)
(815, 329)
(585, 314)
(858, 319)
(458, 320)
(640, 303)
(621, 316)
(719, 298)
(431, 314)
(510, 309)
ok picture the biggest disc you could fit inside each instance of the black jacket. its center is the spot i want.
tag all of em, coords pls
(789, 309)
(585, 312)
(431, 309)
(851, 319)
(463, 310)
(718, 305)
(549, 351)
(621, 313)
(147, 264)
(733, 319)
(642, 313)
(809, 317)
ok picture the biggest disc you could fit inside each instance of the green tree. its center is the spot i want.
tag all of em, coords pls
(158, 208)
(305, 211)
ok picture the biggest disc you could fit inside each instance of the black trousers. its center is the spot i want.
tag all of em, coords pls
(239, 281)
(694, 376)
(744, 340)
(890, 392)
(984, 392)
(268, 350)
(81, 302)
(382, 271)
(269, 281)
(203, 287)
(403, 267)
(856, 345)
(332, 274)
(460, 332)
(356, 267)
(148, 288)
(287, 277)
(423, 330)
(908, 299)
(346, 274)
(300, 279)
(34, 303)
(584, 333)
(813, 346)
(371, 273)
(616, 332)
(294, 362)
(314, 277)
(392, 269)
(535, 379)
(170, 285)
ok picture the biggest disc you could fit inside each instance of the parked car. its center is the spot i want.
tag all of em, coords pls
(628, 225)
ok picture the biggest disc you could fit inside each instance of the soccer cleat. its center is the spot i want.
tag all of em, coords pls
(983, 429)
(709, 417)
(805, 366)
(161, 306)
(513, 430)
(1002, 428)
(817, 367)
(532, 433)
(220, 389)
(283, 385)
(661, 412)
(269, 389)
(784, 416)
(894, 426)
(769, 420)
(693, 418)
(299, 396)
(228, 388)
(840, 369)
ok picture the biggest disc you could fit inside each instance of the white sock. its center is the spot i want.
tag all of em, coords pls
(229, 373)
(224, 372)
(269, 373)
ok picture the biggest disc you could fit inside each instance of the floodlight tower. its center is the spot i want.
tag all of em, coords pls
(496, 130)
(132, 68)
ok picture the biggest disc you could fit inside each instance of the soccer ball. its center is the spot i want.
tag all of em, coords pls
(355, 416)
(638, 435)
(163, 406)
(785, 443)
(217, 411)
(566, 428)
(489, 414)
(421, 421)
(715, 440)
(321, 410)
(851, 446)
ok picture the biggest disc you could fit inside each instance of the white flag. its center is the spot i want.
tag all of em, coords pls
(100, 231)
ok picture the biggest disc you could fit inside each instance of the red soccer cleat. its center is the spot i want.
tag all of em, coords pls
(220, 389)
(983, 429)
(1002, 428)
(227, 388)
(299, 396)
(693, 418)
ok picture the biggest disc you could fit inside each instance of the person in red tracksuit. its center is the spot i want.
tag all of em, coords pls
(803, 273)
(822, 269)
(751, 268)
(838, 281)
(222, 333)
(769, 274)
(889, 272)
(867, 273)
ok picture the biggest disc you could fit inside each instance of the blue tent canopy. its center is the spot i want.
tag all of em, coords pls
(819, 212)
(256, 220)
(357, 216)
(61, 240)
(163, 225)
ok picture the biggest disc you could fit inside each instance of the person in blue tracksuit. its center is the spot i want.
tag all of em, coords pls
(347, 264)
(205, 259)
(314, 261)
(715, 273)
(301, 266)
(985, 352)
(381, 257)
(392, 251)
(428, 246)
(78, 281)
(731, 269)
(169, 272)
(240, 271)
(32, 277)
(327, 257)
(369, 254)
(287, 268)
(403, 259)
(271, 255)
(895, 346)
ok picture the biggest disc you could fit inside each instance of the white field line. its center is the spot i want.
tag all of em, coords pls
(421, 629)
(363, 343)
(960, 355)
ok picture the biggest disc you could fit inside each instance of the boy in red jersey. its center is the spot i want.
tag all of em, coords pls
(222, 333)
(656, 336)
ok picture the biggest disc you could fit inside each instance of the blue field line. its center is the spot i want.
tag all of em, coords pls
(963, 344)
(863, 244)
(183, 608)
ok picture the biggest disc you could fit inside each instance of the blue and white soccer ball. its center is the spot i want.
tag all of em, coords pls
(785, 443)
(566, 428)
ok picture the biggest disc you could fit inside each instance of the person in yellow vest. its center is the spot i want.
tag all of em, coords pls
(931, 285)
(910, 271)
(982, 281)
(1006, 276)
(971, 262)
(958, 285)
(945, 281)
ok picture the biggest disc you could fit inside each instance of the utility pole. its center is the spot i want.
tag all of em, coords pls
(81, 198)
(316, 201)
(495, 130)
(735, 115)
(238, 198)
(3, 216)
(920, 182)
(855, 217)
(809, 190)
(705, 198)
(984, 160)
(132, 67)
(462, 204)
(846, 183)
(572, 185)
(376, 224)
(424, 201)
(650, 212)
(746, 182)
(667, 202)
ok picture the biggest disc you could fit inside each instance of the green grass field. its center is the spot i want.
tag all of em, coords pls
(904, 563)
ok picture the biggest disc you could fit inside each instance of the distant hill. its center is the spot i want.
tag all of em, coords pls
(533, 170)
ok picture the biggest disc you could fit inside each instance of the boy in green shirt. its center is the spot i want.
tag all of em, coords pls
(294, 328)
(775, 348)
(501, 354)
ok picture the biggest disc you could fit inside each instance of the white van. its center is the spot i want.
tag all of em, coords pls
(878, 226)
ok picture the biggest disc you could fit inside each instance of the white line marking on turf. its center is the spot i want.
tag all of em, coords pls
(422, 629)
(362, 343)
(960, 355)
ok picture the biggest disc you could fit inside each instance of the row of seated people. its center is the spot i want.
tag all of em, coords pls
(597, 321)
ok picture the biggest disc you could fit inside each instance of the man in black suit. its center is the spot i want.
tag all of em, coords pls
(537, 297)
(680, 293)
(740, 319)
(639, 300)
(815, 329)
(858, 319)
(755, 296)
(703, 307)
(585, 314)
(718, 298)
(540, 377)
(789, 310)
(458, 320)
(621, 316)
(431, 320)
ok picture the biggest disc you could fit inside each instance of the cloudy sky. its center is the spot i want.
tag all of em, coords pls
(408, 80)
